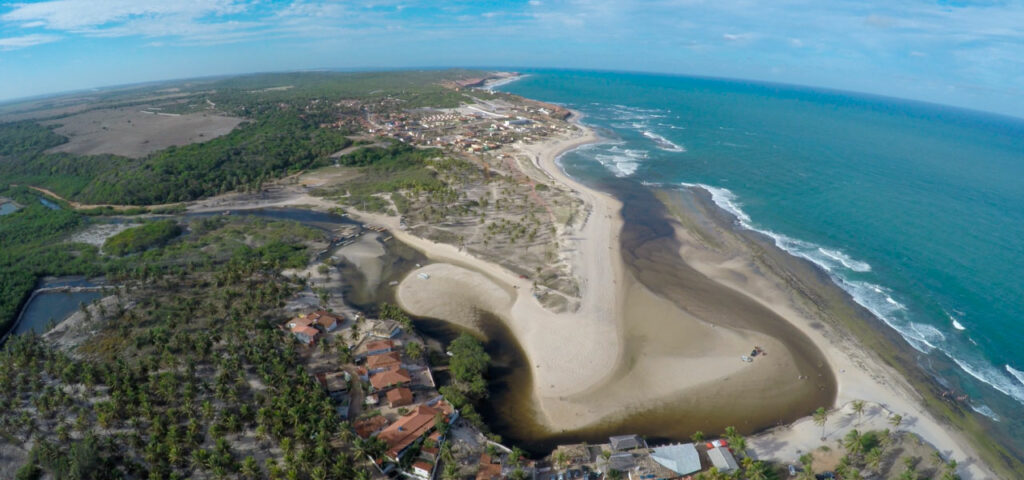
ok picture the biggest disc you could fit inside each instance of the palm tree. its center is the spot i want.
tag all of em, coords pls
(873, 459)
(852, 443)
(896, 420)
(757, 471)
(858, 408)
(250, 470)
(820, 417)
(560, 459)
(697, 436)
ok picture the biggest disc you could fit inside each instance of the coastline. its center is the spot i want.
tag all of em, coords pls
(600, 366)
(563, 373)
(816, 306)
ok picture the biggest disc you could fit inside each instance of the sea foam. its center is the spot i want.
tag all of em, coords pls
(875, 298)
(663, 143)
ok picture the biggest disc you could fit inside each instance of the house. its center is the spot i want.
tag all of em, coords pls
(390, 378)
(325, 319)
(489, 469)
(333, 382)
(623, 443)
(722, 458)
(680, 458)
(399, 397)
(387, 329)
(383, 361)
(622, 462)
(306, 335)
(380, 346)
(300, 321)
(422, 469)
(366, 428)
(406, 430)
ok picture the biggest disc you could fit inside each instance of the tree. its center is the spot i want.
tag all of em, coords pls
(820, 418)
(858, 408)
(250, 470)
(852, 443)
(697, 436)
(414, 350)
(757, 471)
(560, 459)
(873, 459)
(896, 420)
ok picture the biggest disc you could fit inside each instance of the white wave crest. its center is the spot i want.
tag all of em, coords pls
(663, 143)
(622, 162)
(957, 325)
(984, 410)
(1019, 375)
(993, 378)
(879, 301)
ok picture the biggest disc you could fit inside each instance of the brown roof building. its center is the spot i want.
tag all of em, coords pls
(488, 469)
(383, 361)
(390, 378)
(399, 435)
(369, 426)
(399, 397)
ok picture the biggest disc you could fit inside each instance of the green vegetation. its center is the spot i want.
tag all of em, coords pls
(141, 238)
(30, 247)
(19, 138)
(201, 386)
(468, 365)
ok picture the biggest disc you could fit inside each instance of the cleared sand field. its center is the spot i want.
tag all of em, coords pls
(134, 133)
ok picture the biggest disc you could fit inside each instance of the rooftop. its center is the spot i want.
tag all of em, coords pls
(407, 429)
(399, 396)
(383, 360)
(722, 458)
(390, 378)
(681, 458)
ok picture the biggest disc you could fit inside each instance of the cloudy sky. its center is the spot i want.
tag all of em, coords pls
(959, 52)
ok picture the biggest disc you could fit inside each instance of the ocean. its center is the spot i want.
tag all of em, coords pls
(916, 210)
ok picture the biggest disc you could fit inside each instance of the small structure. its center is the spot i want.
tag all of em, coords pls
(422, 469)
(380, 346)
(489, 469)
(334, 383)
(621, 443)
(399, 397)
(680, 458)
(383, 361)
(306, 335)
(622, 462)
(390, 378)
(404, 432)
(366, 428)
(387, 328)
(722, 459)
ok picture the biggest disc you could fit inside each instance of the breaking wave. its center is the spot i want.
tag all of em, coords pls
(663, 143)
(878, 300)
(622, 162)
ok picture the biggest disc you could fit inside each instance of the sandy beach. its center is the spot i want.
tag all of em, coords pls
(629, 351)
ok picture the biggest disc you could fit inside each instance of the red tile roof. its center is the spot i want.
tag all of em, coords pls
(383, 360)
(365, 428)
(407, 429)
(390, 378)
(488, 470)
(399, 397)
(380, 345)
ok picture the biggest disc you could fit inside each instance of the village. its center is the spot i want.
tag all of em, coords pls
(377, 373)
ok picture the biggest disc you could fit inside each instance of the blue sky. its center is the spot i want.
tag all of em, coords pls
(964, 53)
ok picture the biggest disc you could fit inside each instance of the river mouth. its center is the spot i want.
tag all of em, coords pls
(652, 257)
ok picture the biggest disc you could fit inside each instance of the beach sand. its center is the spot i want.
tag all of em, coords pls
(667, 311)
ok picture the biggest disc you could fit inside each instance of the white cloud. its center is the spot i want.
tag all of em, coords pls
(14, 43)
(76, 15)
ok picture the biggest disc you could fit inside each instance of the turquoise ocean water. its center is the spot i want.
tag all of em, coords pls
(916, 210)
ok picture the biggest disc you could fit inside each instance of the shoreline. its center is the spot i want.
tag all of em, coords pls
(559, 399)
(599, 366)
(860, 374)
